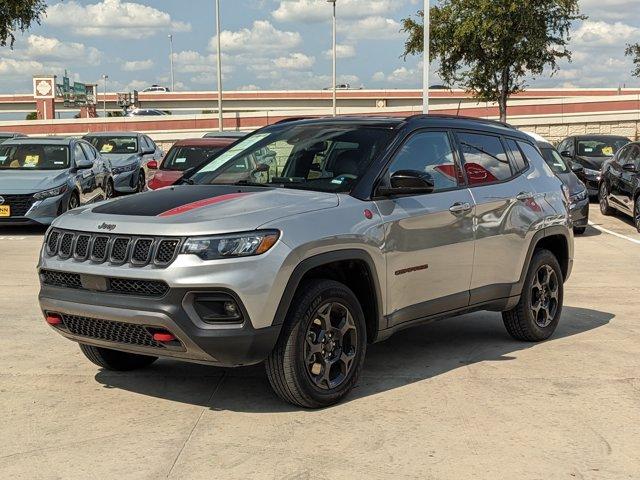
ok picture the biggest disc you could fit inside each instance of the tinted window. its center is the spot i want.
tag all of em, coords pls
(485, 160)
(634, 156)
(184, 158)
(34, 157)
(520, 163)
(554, 160)
(89, 152)
(78, 154)
(114, 145)
(600, 147)
(430, 153)
(566, 146)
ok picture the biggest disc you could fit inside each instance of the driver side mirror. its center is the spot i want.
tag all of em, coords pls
(577, 168)
(84, 164)
(566, 154)
(148, 151)
(408, 182)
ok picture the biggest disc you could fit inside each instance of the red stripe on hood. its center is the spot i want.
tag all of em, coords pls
(201, 203)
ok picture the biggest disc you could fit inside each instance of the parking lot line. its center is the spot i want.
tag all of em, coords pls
(615, 234)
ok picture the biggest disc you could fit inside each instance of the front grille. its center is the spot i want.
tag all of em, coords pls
(110, 331)
(100, 248)
(121, 286)
(61, 279)
(144, 288)
(20, 204)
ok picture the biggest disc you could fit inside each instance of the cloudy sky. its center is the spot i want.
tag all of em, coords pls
(269, 44)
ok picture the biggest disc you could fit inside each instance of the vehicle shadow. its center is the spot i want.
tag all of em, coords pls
(408, 357)
(589, 232)
(22, 231)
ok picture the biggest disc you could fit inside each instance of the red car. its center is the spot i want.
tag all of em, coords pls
(184, 155)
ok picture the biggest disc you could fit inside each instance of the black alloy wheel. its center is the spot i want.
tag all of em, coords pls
(108, 190)
(603, 195)
(544, 296)
(141, 182)
(636, 214)
(74, 201)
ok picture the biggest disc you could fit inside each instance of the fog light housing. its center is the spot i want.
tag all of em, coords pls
(217, 308)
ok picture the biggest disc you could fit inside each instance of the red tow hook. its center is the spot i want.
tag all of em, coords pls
(163, 337)
(54, 319)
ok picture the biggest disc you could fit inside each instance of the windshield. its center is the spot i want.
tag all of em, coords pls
(34, 157)
(554, 160)
(600, 148)
(327, 158)
(114, 145)
(184, 158)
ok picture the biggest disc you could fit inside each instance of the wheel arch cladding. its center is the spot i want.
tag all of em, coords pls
(353, 268)
(559, 246)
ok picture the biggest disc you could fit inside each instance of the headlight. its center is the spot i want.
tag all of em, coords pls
(593, 173)
(126, 168)
(231, 246)
(578, 197)
(54, 192)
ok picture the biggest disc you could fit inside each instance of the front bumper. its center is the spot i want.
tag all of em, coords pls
(580, 213)
(126, 182)
(41, 212)
(228, 345)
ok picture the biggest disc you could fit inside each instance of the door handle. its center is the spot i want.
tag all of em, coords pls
(524, 196)
(460, 207)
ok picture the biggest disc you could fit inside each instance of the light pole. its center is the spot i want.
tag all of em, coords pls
(220, 116)
(104, 97)
(334, 79)
(426, 59)
(171, 62)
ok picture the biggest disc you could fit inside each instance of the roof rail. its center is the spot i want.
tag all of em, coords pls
(462, 117)
(292, 119)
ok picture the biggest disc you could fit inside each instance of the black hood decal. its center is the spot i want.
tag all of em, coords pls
(151, 204)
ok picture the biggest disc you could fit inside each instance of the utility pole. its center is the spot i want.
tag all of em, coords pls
(173, 85)
(104, 97)
(426, 59)
(220, 115)
(335, 54)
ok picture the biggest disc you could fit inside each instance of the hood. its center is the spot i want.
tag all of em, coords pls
(572, 181)
(594, 163)
(197, 210)
(120, 160)
(30, 181)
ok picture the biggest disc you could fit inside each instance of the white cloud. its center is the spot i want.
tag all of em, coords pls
(190, 61)
(248, 88)
(342, 51)
(312, 11)
(372, 28)
(136, 65)
(402, 76)
(261, 37)
(295, 61)
(112, 18)
(48, 49)
(601, 34)
(13, 67)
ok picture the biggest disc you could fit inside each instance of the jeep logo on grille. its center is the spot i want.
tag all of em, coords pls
(107, 226)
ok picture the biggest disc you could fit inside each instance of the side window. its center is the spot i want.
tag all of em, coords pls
(567, 146)
(78, 154)
(532, 153)
(151, 143)
(485, 160)
(143, 144)
(431, 153)
(519, 162)
(634, 156)
(89, 152)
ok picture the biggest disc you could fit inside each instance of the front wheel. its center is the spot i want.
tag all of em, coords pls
(74, 201)
(108, 190)
(537, 314)
(603, 197)
(141, 182)
(320, 353)
(116, 360)
(636, 213)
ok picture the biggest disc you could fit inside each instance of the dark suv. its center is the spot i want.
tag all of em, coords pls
(360, 227)
(620, 185)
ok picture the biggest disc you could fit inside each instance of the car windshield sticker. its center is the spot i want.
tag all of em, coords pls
(3, 158)
(31, 161)
(229, 154)
(181, 160)
(608, 151)
(588, 149)
(106, 148)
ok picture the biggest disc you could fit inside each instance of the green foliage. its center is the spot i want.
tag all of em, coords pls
(488, 47)
(634, 51)
(18, 15)
(32, 116)
(115, 114)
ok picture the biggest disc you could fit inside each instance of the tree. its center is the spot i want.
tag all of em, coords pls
(634, 51)
(32, 116)
(489, 47)
(18, 15)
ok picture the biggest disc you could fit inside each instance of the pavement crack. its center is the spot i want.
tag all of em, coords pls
(193, 429)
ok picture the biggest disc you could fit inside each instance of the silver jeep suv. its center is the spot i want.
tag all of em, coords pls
(355, 229)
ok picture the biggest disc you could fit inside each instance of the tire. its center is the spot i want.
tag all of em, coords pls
(109, 191)
(636, 213)
(525, 322)
(74, 201)
(603, 198)
(311, 334)
(579, 230)
(142, 182)
(115, 360)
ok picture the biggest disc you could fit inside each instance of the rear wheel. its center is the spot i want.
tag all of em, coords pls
(636, 213)
(115, 360)
(603, 197)
(538, 312)
(320, 353)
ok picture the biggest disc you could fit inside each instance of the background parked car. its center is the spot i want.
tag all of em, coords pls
(4, 136)
(620, 186)
(156, 89)
(579, 206)
(185, 155)
(235, 134)
(590, 152)
(146, 112)
(41, 178)
(128, 153)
